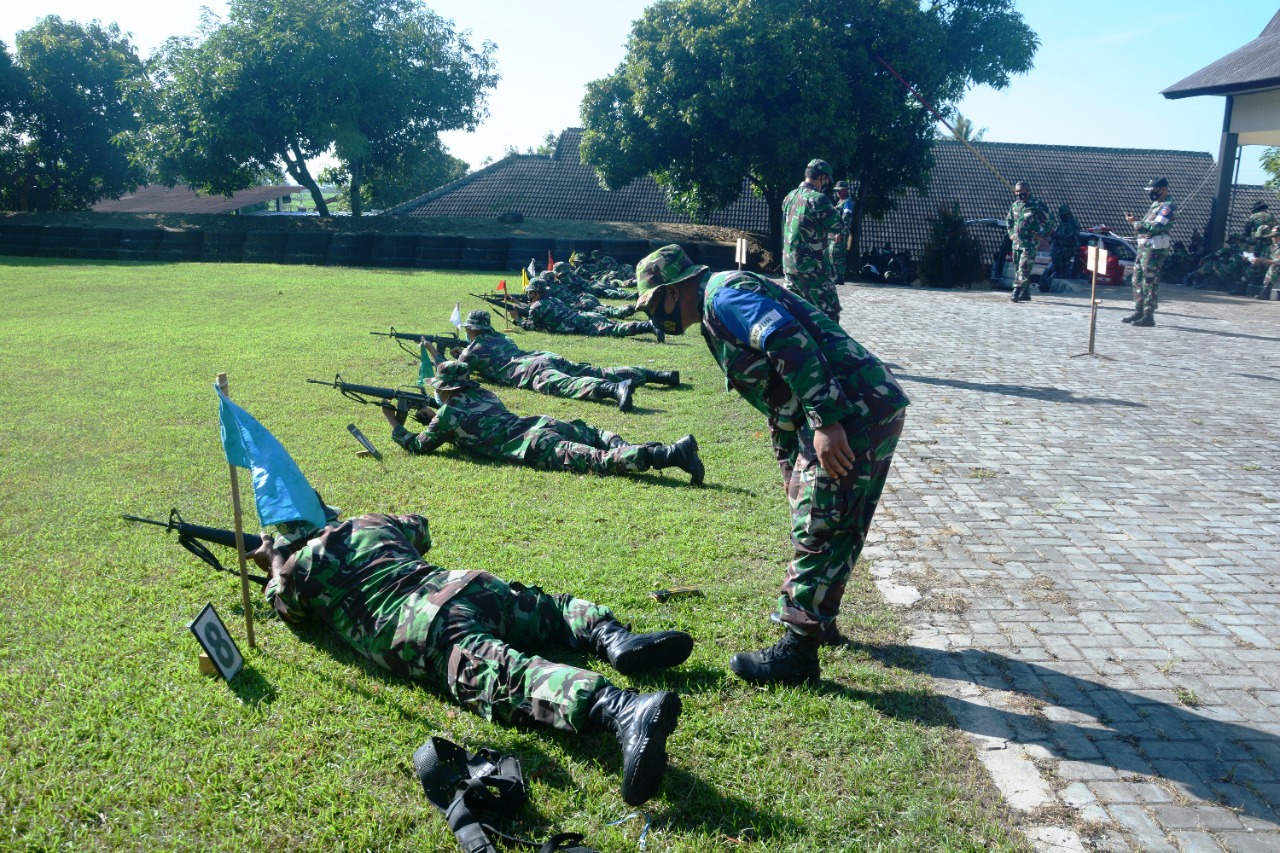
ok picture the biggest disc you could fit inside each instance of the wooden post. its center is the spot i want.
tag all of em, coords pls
(235, 505)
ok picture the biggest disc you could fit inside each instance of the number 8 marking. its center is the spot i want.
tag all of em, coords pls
(220, 643)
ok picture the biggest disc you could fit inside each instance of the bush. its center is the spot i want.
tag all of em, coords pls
(952, 257)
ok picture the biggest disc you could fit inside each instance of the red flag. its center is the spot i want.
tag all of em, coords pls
(502, 285)
(550, 262)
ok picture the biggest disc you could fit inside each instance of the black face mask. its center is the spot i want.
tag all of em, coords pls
(668, 321)
(1155, 194)
(1022, 196)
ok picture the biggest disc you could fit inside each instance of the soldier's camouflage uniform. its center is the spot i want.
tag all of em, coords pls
(493, 357)
(809, 222)
(1064, 244)
(838, 245)
(1224, 269)
(1272, 279)
(551, 315)
(1153, 247)
(1027, 222)
(802, 371)
(1257, 224)
(476, 422)
(467, 632)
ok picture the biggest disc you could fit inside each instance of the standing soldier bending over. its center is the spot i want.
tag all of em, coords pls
(1027, 222)
(809, 224)
(548, 314)
(1153, 246)
(476, 422)
(834, 411)
(494, 357)
(468, 632)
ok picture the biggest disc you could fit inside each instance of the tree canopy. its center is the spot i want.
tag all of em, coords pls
(712, 93)
(283, 81)
(68, 116)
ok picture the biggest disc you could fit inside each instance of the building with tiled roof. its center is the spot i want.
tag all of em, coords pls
(155, 198)
(1100, 184)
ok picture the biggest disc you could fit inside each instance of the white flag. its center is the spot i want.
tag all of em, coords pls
(533, 268)
(456, 317)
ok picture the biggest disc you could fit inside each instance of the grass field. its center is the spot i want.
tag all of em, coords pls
(110, 738)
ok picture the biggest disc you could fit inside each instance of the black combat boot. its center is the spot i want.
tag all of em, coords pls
(683, 455)
(657, 331)
(1136, 315)
(1265, 293)
(667, 377)
(1145, 320)
(642, 723)
(791, 660)
(631, 653)
(620, 391)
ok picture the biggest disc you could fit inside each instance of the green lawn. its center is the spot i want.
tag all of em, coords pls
(111, 739)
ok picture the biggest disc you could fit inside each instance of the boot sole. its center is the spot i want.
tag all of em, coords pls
(642, 783)
(662, 652)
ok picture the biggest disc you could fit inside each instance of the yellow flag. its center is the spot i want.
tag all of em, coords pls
(524, 279)
(573, 259)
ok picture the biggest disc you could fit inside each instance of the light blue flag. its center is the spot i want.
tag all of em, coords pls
(280, 490)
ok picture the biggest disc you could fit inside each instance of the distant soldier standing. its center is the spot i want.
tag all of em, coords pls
(1027, 222)
(1153, 246)
(839, 244)
(1065, 243)
(809, 223)
(1272, 263)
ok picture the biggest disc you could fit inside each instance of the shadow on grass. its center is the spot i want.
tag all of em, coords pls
(1053, 395)
(1083, 721)
(698, 807)
(251, 688)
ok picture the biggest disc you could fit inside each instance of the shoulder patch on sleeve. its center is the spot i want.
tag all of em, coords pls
(763, 327)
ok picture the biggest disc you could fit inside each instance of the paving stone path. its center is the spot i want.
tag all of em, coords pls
(1086, 553)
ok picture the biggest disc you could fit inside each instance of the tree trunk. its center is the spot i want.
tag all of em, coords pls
(773, 200)
(865, 174)
(357, 183)
(297, 168)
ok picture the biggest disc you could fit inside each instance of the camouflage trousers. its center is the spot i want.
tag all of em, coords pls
(616, 312)
(839, 261)
(1146, 278)
(637, 375)
(606, 329)
(581, 448)
(480, 644)
(1064, 262)
(1024, 258)
(555, 383)
(819, 294)
(829, 520)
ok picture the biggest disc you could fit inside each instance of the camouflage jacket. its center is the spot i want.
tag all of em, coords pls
(476, 421)
(551, 315)
(809, 222)
(367, 580)
(1258, 221)
(1273, 271)
(1157, 222)
(493, 357)
(791, 362)
(1028, 220)
(1066, 237)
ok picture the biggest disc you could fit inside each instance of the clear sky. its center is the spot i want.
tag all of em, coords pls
(1097, 79)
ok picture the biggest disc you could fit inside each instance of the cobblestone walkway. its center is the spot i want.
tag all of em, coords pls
(1086, 552)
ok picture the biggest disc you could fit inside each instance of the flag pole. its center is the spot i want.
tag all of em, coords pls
(239, 519)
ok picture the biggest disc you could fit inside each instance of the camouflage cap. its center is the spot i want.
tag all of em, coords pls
(560, 268)
(668, 265)
(819, 167)
(842, 185)
(1156, 183)
(478, 320)
(452, 376)
(1273, 231)
(1259, 207)
(537, 285)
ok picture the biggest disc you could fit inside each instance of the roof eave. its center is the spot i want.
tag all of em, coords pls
(1173, 93)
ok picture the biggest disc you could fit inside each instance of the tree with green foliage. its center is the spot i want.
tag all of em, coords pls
(407, 176)
(280, 82)
(68, 116)
(1270, 163)
(952, 256)
(712, 93)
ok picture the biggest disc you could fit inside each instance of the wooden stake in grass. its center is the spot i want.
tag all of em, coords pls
(235, 505)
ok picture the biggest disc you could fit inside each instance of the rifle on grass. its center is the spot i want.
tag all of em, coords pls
(442, 343)
(404, 398)
(193, 536)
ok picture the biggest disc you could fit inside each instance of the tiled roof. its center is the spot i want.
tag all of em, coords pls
(160, 199)
(1100, 184)
(1254, 66)
(560, 187)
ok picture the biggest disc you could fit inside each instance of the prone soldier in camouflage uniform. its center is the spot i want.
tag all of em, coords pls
(1256, 228)
(1064, 243)
(494, 357)
(548, 314)
(476, 422)
(1153, 247)
(1272, 263)
(566, 276)
(809, 223)
(580, 300)
(1027, 222)
(470, 633)
(835, 413)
